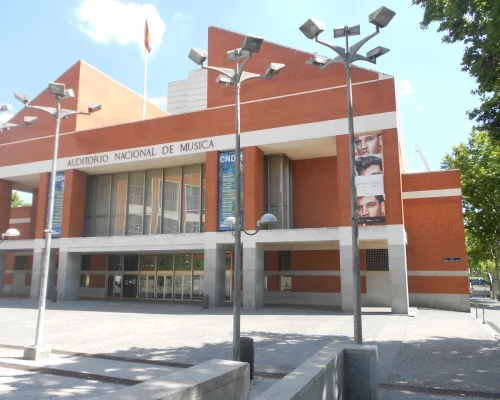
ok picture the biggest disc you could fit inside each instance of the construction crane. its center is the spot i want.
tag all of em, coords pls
(420, 152)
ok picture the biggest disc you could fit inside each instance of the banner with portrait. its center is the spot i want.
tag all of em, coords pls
(370, 203)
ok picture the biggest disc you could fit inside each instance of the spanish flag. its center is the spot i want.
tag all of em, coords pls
(147, 39)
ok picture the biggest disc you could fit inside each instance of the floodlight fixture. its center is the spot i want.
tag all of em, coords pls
(381, 17)
(198, 56)
(234, 55)
(94, 107)
(224, 80)
(30, 120)
(68, 93)
(274, 69)
(312, 28)
(22, 97)
(57, 88)
(339, 32)
(5, 107)
(317, 60)
(252, 43)
(377, 52)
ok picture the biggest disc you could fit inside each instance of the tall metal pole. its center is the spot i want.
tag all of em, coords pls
(358, 330)
(48, 232)
(237, 228)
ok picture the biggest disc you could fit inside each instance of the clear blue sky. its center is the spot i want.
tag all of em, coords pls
(43, 39)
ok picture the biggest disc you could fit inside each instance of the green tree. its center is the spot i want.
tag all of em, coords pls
(16, 200)
(479, 164)
(476, 24)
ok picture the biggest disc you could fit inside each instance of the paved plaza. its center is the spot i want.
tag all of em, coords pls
(432, 354)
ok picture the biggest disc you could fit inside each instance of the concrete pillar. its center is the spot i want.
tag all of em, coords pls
(73, 218)
(3, 265)
(398, 274)
(346, 264)
(253, 186)
(214, 278)
(68, 275)
(5, 200)
(253, 277)
(36, 273)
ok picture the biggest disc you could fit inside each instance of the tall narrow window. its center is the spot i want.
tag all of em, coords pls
(278, 190)
(118, 205)
(135, 203)
(191, 215)
(171, 200)
(152, 224)
(102, 205)
(90, 206)
(203, 196)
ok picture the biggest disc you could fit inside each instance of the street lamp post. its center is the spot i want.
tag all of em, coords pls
(228, 77)
(11, 232)
(60, 92)
(7, 125)
(348, 55)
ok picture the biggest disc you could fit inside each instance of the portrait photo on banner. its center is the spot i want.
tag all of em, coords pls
(369, 164)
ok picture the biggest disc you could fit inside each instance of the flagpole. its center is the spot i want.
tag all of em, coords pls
(145, 83)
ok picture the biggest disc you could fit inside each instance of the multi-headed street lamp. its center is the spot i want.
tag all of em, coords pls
(348, 55)
(7, 125)
(60, 92)
(228, 77)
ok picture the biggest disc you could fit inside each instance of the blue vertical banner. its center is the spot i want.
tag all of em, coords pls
(227, 187)
(58, 204)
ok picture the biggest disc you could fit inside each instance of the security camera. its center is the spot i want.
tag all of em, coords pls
(274, 69)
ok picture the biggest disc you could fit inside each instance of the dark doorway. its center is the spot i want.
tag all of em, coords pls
(129, 286)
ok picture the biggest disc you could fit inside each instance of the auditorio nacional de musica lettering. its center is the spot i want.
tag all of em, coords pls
(140, 204)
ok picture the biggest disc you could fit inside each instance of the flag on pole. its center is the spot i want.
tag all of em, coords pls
(147, 39)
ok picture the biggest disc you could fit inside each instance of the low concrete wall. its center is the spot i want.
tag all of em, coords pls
(450, 302)
(211, 380)
(335, 372)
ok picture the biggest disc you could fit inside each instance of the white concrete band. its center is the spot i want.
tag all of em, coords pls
(19, 220)
(427, 194)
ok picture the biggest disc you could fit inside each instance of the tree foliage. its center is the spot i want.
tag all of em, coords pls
(476, 24)
(16, 200)
(479, 164)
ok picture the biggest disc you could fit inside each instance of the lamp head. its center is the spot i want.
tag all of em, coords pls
(268, 219)
(312, 28)
(317, 60)
(377, 52)
(58, 89)
(22, 97)
(350, 30)
(381, 17)
(5, 107)
(11, 232)
(224, 80)
(274, 69)
(198, 56)
(68, 93)
(30, 120)
(233, 55)
(252, 43)
(229, 221)
(94, 107)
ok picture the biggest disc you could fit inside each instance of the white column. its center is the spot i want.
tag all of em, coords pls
(398, 275)
(68, 275)
(346, 271)
(3, 264)
(253, 276)
(214, 276)
(36, 274)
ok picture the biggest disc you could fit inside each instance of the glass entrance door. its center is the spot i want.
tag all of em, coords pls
(147, 287)
(114, 289)
(164, 288)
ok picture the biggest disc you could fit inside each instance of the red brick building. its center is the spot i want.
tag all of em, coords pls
(140, 210)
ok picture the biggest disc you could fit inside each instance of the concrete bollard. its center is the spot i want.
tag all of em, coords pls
(247, 352)
(204, 301)
(484, 321)
(477, 316)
